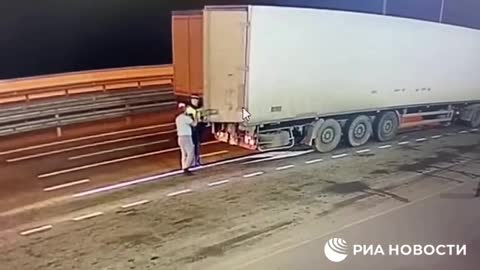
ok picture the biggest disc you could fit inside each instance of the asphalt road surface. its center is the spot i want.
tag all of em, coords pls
(449, 217)
(266, 212)
(37, 167)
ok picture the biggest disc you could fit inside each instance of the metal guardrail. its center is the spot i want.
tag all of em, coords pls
(70, 84)
(66, 111)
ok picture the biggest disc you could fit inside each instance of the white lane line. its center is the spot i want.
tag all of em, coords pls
(339, 156)
(284, 167)
(253, 174)
(89, 216)
(107, 162)
(474, 129)
(133, 204)
(363, 151)
(436, 136)
(463, 132)
(342, 228)
(385, 146)
(278, 155)
(116, 150)
(83, 139)
(218, 183)
(36, 230)
(404, 142)
(421, 139)
(126, 184)
(153, 178)
(313, 161)
(59, 151)
(214, 153)
(69, 184)
(176, 193)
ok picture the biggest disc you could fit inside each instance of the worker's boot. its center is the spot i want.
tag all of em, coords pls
(187, 172)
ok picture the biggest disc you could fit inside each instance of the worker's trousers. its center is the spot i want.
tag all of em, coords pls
(187, 149)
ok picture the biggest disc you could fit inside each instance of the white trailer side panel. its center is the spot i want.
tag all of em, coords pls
(305, 62)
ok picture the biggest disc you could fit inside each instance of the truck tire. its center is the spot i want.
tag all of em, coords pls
(358, 130)
(385, 126)
(475, 121)
(328, 136)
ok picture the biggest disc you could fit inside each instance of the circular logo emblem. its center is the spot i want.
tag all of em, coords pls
(336, 249)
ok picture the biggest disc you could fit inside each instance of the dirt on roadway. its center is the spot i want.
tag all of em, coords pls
(174, 232)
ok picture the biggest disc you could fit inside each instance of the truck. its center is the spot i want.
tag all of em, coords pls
(272, 77)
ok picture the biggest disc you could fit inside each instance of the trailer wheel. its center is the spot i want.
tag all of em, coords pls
(328, 136)
(475, 121)
(385, 126)
(359, 130)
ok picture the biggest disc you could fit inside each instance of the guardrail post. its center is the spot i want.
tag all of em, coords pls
(128, 118)
(59, 128)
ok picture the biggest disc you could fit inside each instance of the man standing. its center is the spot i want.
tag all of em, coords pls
(184, 125)
(193, 110)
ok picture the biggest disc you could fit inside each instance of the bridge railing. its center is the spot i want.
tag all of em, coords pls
(66, 84)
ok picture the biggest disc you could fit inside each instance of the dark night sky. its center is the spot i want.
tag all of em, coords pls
(50, 36)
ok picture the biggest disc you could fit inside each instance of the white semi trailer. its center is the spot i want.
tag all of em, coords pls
(317, 76)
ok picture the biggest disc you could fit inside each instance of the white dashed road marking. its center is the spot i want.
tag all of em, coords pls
(385, 146)
(313, 161)
(135, 204)
(421, 139)
(119, 149)
(214, 153)
(253, 174)
(436, 136)
(37, 230)
(474, 129)
(176, 193)
(339, 156)
(86, 138)
(284, 167)
(403, 143)
(89, 216)
(463, 132)
(112, 161)
(74, 183)
(80, 147)
(218, 183)
(363, 151)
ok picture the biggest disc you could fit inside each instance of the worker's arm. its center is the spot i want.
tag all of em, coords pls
(191, 121)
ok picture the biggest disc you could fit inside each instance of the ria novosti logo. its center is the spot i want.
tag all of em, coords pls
(336, 250)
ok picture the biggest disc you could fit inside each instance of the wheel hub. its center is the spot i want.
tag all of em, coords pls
(388, 126)
(328, 135)
(359, 131)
